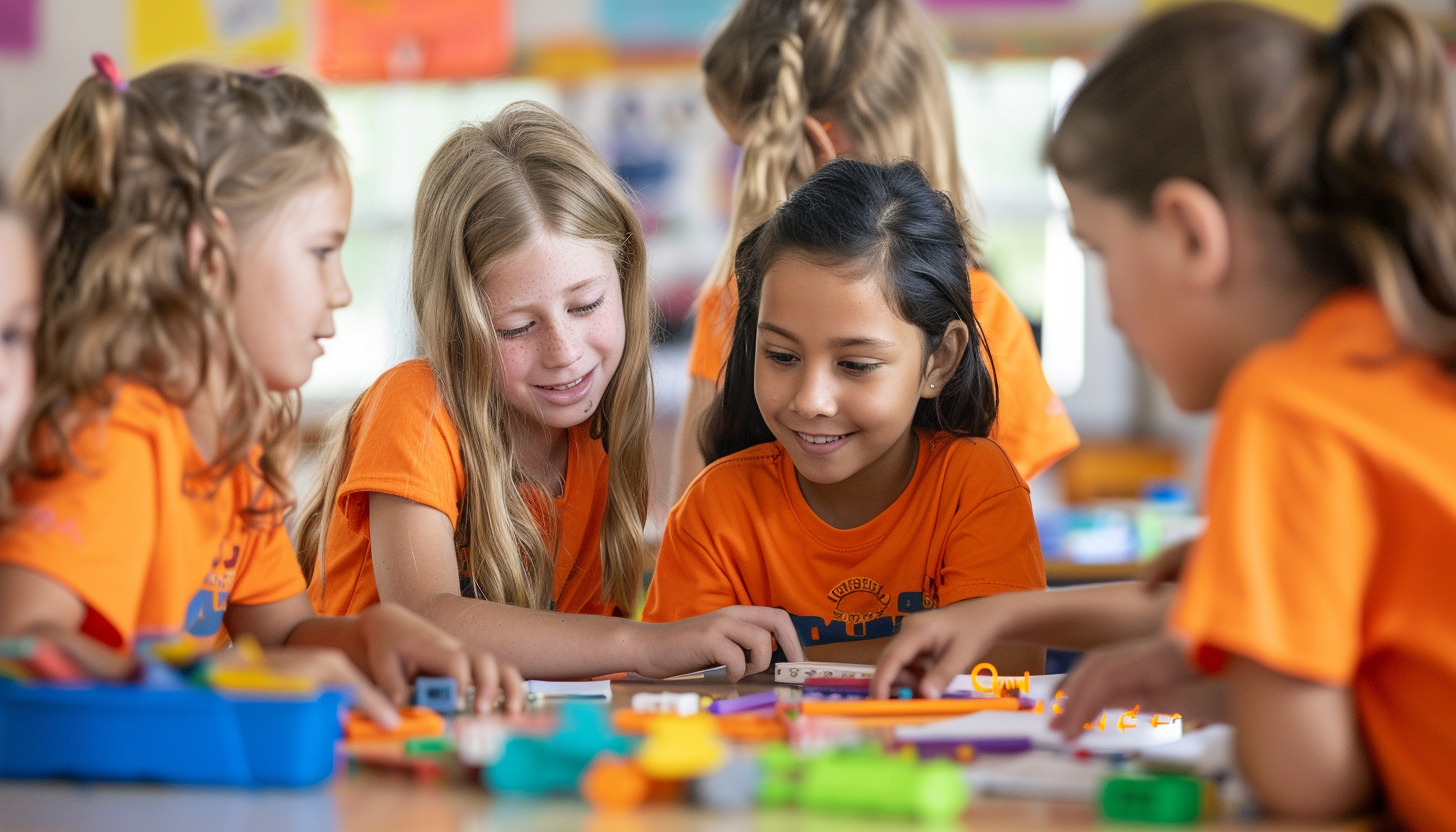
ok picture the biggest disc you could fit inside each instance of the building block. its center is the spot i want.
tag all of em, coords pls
(553, 764)
(437, 694)
(681, 748)
(413, 722)
(1157, 799)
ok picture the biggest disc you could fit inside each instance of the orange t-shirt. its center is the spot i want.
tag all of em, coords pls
(1032, 424)
(1332, 511)
(153, 549)
(743, 534)
(402, 442)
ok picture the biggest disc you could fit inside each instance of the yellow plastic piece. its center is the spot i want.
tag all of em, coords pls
(681, 748)
(258, 680)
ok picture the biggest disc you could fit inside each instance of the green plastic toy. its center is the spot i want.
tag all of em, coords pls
(863, 782)
(1152, 799)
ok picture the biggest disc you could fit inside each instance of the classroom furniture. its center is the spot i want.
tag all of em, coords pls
(367, 801)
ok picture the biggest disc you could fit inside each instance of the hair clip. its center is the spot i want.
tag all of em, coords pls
(269, 71)
(106, 68)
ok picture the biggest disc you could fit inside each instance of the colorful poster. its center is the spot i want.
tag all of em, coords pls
(1322, 13)
(242, 33)
(660, 22)
(19, 26)
(375, 40)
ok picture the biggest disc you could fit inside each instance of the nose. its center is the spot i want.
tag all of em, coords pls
(560, 346)
(815, 395)
(339, 295)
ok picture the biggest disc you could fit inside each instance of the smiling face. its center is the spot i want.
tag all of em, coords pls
(837, 374)
(290, 281)
(556, 305)
(19, 314)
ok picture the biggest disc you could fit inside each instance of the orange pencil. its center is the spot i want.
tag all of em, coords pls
(905, 707)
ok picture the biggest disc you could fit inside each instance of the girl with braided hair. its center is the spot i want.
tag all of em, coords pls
(798, 83)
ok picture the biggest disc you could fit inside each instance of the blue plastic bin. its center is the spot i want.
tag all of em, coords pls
(189, 735)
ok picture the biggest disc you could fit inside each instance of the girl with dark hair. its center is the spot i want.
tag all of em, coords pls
(851, 480)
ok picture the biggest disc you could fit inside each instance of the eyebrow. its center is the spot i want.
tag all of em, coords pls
(837, 343)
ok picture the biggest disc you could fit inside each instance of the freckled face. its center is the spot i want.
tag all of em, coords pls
(837, 373)
(556, 305)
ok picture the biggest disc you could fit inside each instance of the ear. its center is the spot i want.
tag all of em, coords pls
(942, 363)
(214, 271)
(1198, 227)
(819, 142)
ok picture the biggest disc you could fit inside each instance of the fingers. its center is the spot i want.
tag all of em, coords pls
(1166, 567)
(95, 659)
(487, 683)
(332, 667)
(729, 653)
(514, 687)
(901, 652)
(388, 671)
(774, 621)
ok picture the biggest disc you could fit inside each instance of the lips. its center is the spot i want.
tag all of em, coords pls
(820, 439)
(568, 392)
(566, 386)
(822, 443)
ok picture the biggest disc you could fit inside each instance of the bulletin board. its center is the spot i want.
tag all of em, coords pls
(376, 40)
(244, 33)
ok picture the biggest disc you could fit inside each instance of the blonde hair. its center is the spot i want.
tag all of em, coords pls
(1345, 140)
(114, 185)
(875, 66)
(491, 189)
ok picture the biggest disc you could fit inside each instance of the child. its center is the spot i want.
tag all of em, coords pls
(853, 482)
(498, 486)
(1277, 214)
(19, 311)
(799, 82)
(191, 222)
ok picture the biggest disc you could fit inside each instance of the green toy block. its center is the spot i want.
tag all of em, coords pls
(873, 783)
(429, 745)
(1152, 799)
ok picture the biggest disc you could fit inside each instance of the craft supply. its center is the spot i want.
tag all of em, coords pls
(731, 787)
(614, 783)
(598, 689)
(553, 764)
(1156, 799)
(438, 694)
(794, 673)
(750, 702)
(413, 722)
(41, 659)
(682, 704)
(678, 748)
(904, 707)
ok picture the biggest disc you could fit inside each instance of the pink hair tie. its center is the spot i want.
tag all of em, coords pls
(106, 68)
(269, 71)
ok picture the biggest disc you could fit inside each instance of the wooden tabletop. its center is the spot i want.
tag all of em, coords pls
(370, 801)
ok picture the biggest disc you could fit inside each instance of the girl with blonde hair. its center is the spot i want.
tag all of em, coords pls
(797, 83)
(498, 484)
(190, 223)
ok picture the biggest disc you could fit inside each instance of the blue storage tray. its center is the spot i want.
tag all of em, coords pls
(189, 735)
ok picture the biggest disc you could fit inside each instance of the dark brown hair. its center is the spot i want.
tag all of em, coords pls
(1344, 140)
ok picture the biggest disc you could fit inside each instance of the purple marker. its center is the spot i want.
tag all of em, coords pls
(751, 702)
(933, 749)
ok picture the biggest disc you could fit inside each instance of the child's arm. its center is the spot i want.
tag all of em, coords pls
(413, 547)
(32, 604)
(386, 643)
(1009, 659)
(1299, 743)
(950, 640)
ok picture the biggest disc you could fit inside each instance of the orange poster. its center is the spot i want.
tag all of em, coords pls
(375, 40)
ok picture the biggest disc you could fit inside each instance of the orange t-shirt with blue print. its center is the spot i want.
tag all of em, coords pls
(1331, 501)
(150, 545)
(743, 534)
(1032, 425)
(402, 442)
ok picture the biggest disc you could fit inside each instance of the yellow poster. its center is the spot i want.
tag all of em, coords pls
(247, 34)
(1321, 13)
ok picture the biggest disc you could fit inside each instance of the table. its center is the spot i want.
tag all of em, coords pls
(377, 802)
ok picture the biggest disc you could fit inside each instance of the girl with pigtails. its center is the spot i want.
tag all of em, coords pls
(797, 83)
(1276, 211)
(190, 224)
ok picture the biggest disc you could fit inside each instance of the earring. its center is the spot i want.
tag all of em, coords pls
(932, 387)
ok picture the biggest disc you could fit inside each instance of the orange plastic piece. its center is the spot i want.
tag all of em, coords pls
(612, 782)
(904, 707)
(413, 722)
(752, 728)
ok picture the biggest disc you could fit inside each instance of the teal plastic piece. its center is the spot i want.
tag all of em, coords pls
(1152, 799)
(554, 764)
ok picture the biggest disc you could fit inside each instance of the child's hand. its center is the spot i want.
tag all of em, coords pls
(933, 647)
(739, 638)
(1166, 566)
(1149, 672)
(400, 645)
(325, 667)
